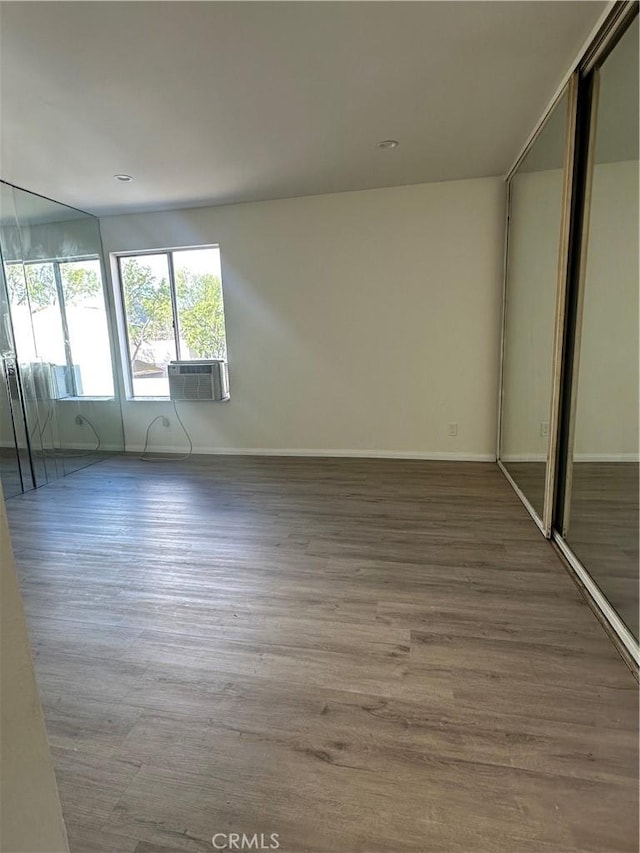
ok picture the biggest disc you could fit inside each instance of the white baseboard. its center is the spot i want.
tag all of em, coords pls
(108, 448)
(356, 454)
(76, 446)
(606, 457)
(353, 454)
(579, 457)
(524, 457)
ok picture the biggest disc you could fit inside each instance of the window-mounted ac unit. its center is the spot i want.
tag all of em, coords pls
(54, 381)
(198, 380)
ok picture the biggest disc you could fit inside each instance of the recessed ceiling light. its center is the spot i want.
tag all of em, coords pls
(388, 143)
(124, 179)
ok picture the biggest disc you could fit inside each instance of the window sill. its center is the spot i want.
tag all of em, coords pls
(169, 400)
(86, 400)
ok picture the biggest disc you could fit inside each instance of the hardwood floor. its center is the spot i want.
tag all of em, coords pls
(363, 656)
(603, 528)
(603, 531)
(48, 466)
(530, 478)
(9, 472)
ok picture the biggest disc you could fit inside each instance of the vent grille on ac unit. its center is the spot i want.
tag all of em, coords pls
(198, 380)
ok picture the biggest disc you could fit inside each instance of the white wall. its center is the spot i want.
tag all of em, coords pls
(534, 236)
(607, 401)
(29, 803)
(360, 322)
(52, 423)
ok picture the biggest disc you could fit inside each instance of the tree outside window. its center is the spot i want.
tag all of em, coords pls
(158, 287)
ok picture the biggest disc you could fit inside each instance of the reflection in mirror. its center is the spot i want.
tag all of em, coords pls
(10, 472)
(20, 416)
(60, 341)
(601, 517)
(535, 219)
(12, 434)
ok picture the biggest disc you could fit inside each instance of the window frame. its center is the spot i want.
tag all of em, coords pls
(62, 303)
(125, 343)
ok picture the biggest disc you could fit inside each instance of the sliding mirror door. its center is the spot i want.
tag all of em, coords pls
(16, 472)
(20, 434)
(600, 508)
(72, 371)
(59, 365)
(534, 289)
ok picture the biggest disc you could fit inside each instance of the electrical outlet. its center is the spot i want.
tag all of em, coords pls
(452, 429)
(544, 429)
(79, 420)
(165, 422)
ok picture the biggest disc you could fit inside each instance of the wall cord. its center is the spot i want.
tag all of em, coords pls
(165, 457)
(60, 453)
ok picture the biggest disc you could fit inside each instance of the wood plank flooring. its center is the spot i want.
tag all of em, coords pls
(48, 466)
(363, 656)
(603, 530)
(10, 472)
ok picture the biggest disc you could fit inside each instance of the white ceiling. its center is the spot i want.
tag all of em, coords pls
(212, 103)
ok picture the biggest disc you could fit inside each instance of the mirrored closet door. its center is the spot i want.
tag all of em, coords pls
(59, 408)
(569, 427)
(534, 288)
(599, 515)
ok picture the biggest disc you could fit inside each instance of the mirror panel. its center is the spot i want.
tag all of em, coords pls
(61, 337)
(601, 514)
(21, 417)
(534, 234)
(13, 450)
(10, 471)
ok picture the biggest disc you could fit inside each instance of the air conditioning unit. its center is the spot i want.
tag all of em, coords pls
(198, 380)
(55, 381)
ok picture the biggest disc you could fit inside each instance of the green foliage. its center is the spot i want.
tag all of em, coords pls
(16, 284)
(201, 313)
(78, 282)
(35, 283)
(32, 284)
(147, 302)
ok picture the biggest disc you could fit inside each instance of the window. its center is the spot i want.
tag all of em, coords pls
(173, 310)
(60, 318)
